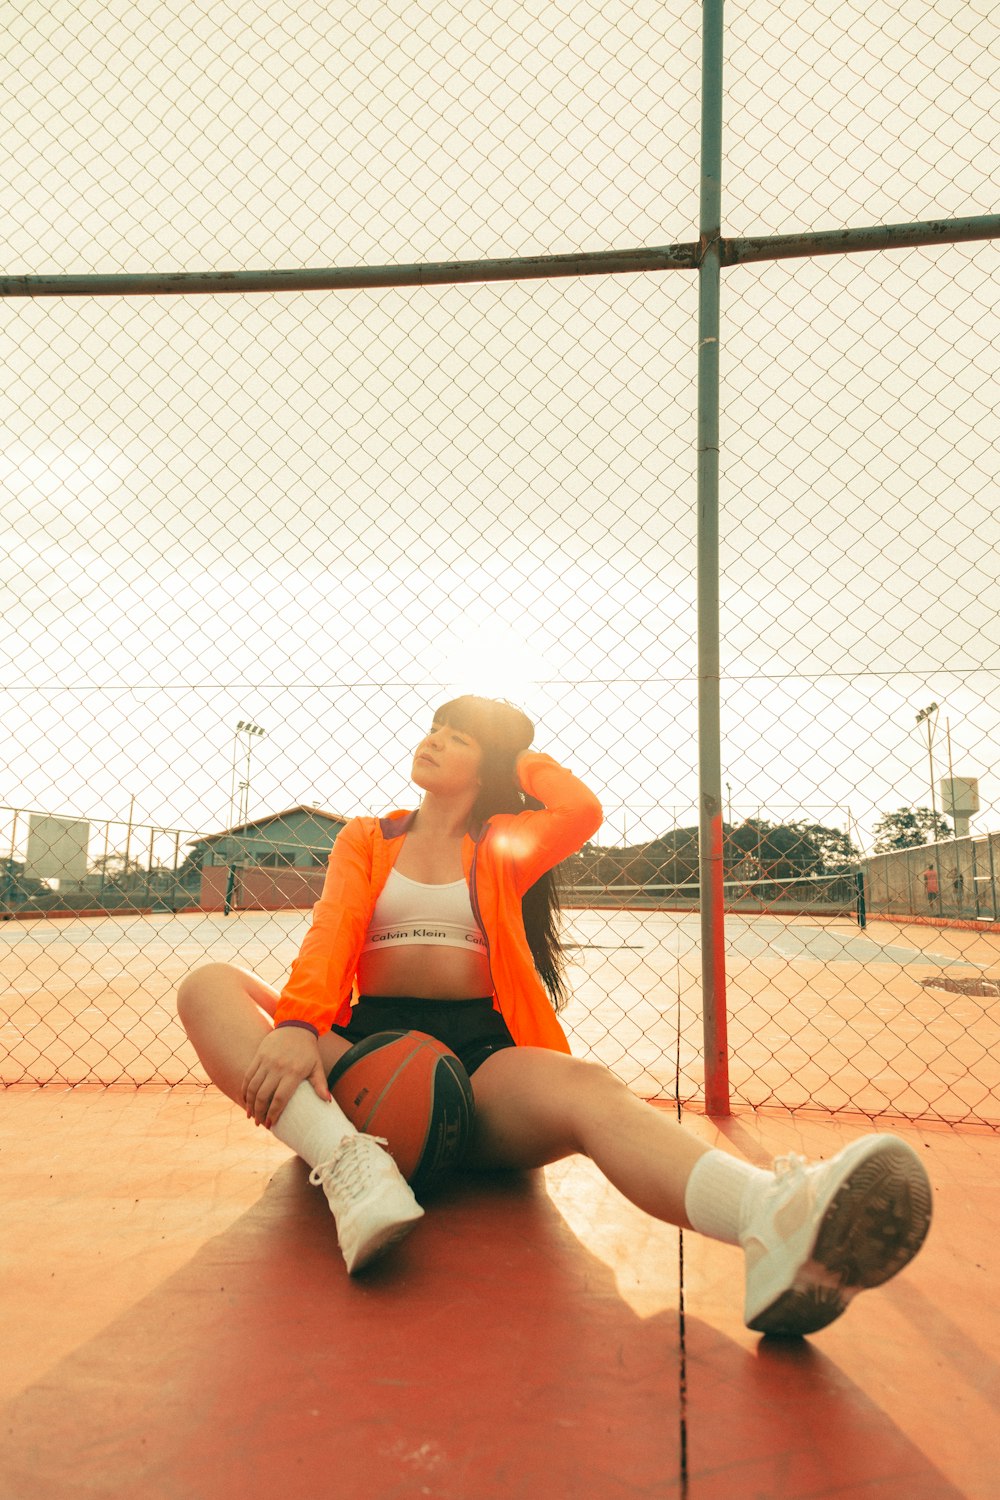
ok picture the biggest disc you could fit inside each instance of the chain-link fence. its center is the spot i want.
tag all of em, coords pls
(250, 540)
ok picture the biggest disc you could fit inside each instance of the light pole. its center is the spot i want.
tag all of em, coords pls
(928, 716)
(128, 842)
(243, 727)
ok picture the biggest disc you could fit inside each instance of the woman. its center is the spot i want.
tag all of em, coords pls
(442, 921)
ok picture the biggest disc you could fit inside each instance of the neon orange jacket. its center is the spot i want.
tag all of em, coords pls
(507, 855)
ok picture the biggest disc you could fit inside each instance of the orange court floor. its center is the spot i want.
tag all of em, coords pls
(178, 1324)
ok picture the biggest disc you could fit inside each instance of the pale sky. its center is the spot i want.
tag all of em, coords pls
(325, 512)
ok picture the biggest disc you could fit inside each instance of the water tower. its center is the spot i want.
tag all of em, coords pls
(960, 799)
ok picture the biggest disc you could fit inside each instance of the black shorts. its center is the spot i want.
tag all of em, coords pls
(471, 1028)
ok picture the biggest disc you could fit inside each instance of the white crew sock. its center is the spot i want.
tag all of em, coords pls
(311, 1126)
(713, 1198)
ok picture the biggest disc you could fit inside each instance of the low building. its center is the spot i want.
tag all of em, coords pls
(271, 863)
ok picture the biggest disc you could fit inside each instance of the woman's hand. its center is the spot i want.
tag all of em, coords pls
(285, 1057)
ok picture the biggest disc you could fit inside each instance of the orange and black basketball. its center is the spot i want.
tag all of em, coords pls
(413, 1091)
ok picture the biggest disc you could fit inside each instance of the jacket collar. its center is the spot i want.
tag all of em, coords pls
(398, 823)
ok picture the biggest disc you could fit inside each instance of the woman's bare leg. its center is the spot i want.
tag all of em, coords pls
(534, 1106)
(814, 1235)
(226, 1012)
(222, 1009)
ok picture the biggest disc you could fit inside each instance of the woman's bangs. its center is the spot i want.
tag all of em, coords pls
(491, 721)
(460, 714)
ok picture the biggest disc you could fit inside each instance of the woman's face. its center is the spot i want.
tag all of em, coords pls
(447, 761)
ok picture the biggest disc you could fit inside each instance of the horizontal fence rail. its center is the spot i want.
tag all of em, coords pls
(685, 257)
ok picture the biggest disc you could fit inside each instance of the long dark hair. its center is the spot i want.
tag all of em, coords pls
(503, 731)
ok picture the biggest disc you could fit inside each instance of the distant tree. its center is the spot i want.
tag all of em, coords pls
(673, 857)
(834, 850)
(627, 866)
(908, 828)
(579, 868)
(754, 850)
(20, 887)
(190, 869)
(759, 850)
(770, 851)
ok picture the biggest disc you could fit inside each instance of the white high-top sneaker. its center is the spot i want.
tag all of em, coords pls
(817, 1235)
(371, 1200)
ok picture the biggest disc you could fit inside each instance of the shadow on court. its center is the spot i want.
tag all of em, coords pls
(494, 1355)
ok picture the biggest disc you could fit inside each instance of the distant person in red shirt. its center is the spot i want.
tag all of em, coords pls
(931, 884)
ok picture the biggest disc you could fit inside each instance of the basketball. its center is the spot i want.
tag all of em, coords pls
(412, 1090)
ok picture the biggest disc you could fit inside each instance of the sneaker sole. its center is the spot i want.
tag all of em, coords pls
(379, 1243)
(873, 1226)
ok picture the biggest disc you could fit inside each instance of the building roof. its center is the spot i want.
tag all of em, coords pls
(317, 813)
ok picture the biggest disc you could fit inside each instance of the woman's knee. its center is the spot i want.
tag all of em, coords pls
(579, 1081)
(592, 1090)
(203, 984)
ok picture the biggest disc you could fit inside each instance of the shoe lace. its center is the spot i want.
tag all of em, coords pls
(790, 1166)
(349, 1169)
(790, 1163)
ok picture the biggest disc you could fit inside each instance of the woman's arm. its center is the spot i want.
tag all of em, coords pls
(322, 975)
(570, 815)
(321, 978)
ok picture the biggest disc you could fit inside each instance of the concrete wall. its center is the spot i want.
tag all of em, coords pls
(968, 879)
(260, 889)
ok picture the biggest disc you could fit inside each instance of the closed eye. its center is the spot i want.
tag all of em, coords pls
(460, 739)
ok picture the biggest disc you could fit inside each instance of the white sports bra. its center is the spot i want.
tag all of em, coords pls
(409, 912)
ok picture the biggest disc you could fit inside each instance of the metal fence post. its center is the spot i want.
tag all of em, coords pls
(713, 937)
(859, 881)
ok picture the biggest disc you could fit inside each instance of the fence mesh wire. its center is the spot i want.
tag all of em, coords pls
(249, 542)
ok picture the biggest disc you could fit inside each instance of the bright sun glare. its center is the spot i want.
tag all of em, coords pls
(492, 660)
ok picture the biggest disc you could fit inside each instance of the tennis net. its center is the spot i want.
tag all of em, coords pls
(830, 895)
